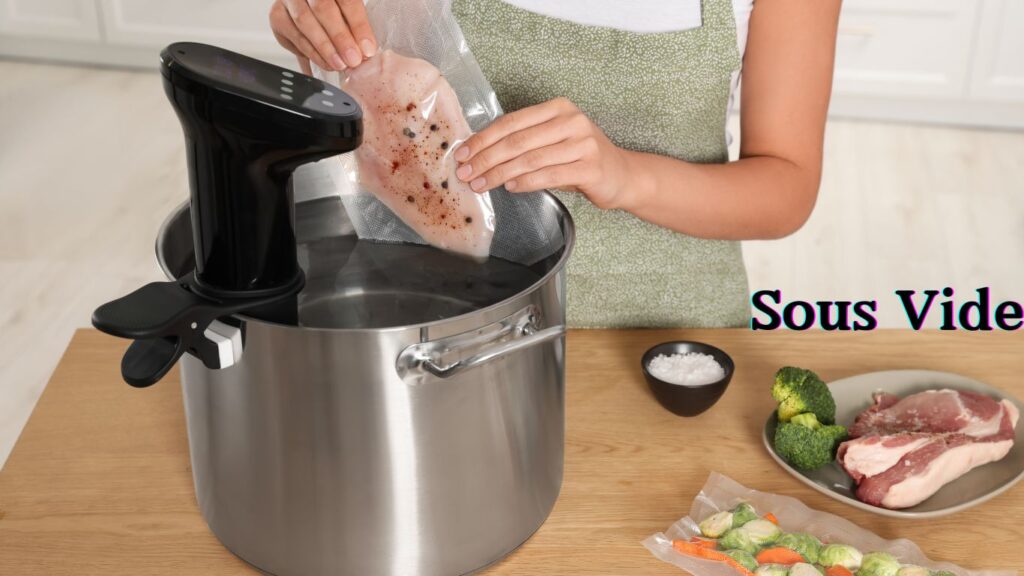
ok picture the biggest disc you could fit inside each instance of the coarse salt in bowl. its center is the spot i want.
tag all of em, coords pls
(689, 369)
(686, 377)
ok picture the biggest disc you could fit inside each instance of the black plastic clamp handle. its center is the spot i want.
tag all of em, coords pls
(166, 320)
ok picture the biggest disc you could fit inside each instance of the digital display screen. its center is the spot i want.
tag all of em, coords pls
(272, 84)
(234, 71)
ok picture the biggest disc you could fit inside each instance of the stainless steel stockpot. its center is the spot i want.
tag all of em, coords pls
(433, 448)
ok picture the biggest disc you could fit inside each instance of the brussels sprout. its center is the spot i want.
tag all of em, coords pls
(803, 569)
(840, 555)
(750, 537)
(745, 559)
(743, 513)
(808, 546)
(910, 570)
(715, 525)
(878, 564)
(738, 539)
(772, 570)
(762, 532)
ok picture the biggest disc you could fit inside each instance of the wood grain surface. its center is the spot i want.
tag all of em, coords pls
(100, 482)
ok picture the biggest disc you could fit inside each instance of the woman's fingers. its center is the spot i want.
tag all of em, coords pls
(516, 144)
(293, 41)
(289, 36)
(564, 176)
(564, 152)
(359, 25)
(507, 124)
(328, 14)
(283, 28)
(313, 33)
(335, 34)
(302, 60)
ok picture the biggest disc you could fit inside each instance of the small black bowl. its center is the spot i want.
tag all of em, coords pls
(687, 400)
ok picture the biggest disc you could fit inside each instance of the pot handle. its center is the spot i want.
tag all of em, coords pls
(517, 332)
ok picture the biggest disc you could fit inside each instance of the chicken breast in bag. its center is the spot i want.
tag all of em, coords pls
(412, 121)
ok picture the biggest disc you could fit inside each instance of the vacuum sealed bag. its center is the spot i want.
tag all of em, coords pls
(769, 529)
(422, 96)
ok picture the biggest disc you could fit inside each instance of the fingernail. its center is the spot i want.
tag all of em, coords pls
(477, 184)
(338, 63)
(464, 171)
(462, 153)
(368, 47)
(352, 57)
(510, 185)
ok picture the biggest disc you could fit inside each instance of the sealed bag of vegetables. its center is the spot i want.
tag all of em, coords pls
(735, 531)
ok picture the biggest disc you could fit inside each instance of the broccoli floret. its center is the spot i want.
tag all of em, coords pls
(798, 391)
(808, 546)
(743, 558)
(806, 419)
(743, 513)
(836, 432)
(806, 444)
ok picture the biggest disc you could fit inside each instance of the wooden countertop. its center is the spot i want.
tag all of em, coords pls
(100, 481)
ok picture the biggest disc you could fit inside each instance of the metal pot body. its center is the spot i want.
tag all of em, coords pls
(428, 449)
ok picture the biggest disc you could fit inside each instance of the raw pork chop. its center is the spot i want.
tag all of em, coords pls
(411, 122)
(937, 411)
(871, 455)
(916, 445)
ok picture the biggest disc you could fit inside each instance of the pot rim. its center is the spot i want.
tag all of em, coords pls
(568, 231)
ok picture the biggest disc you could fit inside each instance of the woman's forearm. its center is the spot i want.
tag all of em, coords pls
(759, 197)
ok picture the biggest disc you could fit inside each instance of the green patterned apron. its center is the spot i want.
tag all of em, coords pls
(665, 93)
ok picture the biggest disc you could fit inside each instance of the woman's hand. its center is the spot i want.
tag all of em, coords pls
(335, 34)
(550, 145)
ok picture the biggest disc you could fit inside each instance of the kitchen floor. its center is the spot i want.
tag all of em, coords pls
(91, 161)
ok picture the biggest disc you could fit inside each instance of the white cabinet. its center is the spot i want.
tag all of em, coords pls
(998, 68)
(905, 47)
(63, 19)
(239, 25)
(132, 32)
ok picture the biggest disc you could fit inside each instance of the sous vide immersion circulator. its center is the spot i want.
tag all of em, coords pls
(248, 125)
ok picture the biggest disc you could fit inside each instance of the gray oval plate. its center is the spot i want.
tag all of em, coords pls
(853, 395)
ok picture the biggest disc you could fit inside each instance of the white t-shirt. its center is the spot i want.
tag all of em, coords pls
(643, 16)
(637, 15)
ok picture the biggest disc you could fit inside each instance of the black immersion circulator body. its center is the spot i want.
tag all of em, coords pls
(248, 125)
(242, 225)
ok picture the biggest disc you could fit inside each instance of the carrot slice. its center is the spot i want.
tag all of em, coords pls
(838, 571)
(705, 543)
(778, 556)
(771, 518)
(698, 551)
